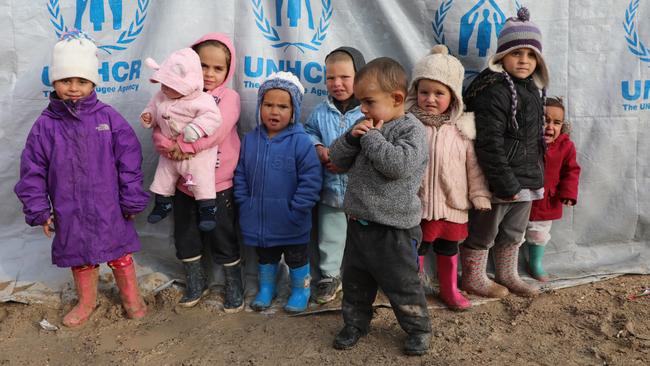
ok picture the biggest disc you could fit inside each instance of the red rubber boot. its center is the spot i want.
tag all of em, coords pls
(127, 282)
(85, 280)
(448, 280)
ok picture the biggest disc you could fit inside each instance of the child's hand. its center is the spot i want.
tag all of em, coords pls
(333, 168)
(145, 119)
(513, 198)
(568, 202)
(129, 216)
(362, 127)
(48, 227)
(323, 154)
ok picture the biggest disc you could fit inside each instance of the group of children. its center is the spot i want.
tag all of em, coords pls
(395, 169)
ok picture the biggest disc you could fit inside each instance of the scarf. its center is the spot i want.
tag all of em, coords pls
(428, 118)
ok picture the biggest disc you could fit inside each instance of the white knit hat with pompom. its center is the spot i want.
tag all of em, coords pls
(75, 55)
(442, 67)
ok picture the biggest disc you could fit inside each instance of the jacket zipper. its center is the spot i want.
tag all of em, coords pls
(262, 201)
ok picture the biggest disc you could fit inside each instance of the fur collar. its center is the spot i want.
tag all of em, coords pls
(466, 125)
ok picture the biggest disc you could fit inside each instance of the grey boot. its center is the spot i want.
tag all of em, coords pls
(195, 283)
(233, 301)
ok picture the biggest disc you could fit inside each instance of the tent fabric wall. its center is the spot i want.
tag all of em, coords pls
(596, 53)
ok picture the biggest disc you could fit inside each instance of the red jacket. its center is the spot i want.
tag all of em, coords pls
(561, 172)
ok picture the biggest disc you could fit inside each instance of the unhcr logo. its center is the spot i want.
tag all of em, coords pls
(478, 29)
(294, 18)
(637, 92)
(92, 14)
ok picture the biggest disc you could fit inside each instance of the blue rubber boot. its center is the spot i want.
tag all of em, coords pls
(300, 289)
(266, 292)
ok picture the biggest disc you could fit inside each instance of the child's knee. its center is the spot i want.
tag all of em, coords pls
(538, 237)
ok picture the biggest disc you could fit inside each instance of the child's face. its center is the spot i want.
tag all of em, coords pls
(73, 88)
(169, 92)
(276, 110)
(553, 122)
(376, 104)
(520, 63)
(339, 79)
(433, 96)
(215, 66)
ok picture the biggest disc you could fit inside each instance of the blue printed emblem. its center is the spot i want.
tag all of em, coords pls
(91, 16)
(634, 43)
(294, 14)
(478, 29)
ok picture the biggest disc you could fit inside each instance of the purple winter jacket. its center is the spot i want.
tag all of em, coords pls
(85, 158)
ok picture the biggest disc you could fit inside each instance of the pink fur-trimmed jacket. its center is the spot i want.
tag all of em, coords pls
(453, 182)
(226, 136)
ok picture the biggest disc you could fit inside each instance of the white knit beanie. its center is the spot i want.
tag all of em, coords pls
(442, 67)
(75, 55)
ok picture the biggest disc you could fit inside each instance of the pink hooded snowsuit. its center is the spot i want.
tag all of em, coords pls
(182, 72)
(226, 136)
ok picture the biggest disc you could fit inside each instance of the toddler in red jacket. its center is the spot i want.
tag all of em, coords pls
(561, 172)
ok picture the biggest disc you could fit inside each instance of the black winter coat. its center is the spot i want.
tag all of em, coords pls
(511, 159)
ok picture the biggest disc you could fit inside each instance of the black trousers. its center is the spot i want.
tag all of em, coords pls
(223, 241)
(295, 256)
(386, 257)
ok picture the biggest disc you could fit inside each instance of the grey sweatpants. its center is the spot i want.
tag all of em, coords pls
(504, 225)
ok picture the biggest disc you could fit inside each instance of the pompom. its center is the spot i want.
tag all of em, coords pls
(439, 49)
(75, 33)
(523, 14)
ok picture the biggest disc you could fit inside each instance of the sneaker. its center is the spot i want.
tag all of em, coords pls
(207, 221)
(326, 289)
(160, 210)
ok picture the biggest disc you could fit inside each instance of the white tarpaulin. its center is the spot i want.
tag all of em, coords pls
(597, 53)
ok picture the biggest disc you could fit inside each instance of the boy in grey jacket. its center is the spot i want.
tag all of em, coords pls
(385, 156)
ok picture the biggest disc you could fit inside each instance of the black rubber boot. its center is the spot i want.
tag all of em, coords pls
(162, 207)
(233, 301)
(417, 344)
(195, 283)
(348, 337)
(207, 215)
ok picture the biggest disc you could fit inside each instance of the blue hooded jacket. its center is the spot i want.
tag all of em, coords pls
(277, 180)
(324, 125)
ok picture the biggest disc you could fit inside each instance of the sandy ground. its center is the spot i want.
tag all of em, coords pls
(594, 324)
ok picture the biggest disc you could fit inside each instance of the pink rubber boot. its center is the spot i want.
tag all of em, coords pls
(124, 272)
(85, 280)
(448, 280)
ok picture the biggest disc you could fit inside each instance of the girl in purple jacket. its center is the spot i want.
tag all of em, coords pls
(80, 172)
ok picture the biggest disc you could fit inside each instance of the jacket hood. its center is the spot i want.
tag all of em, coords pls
(358, 61)
(59, 108)
(225, 40)
(181, 71)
